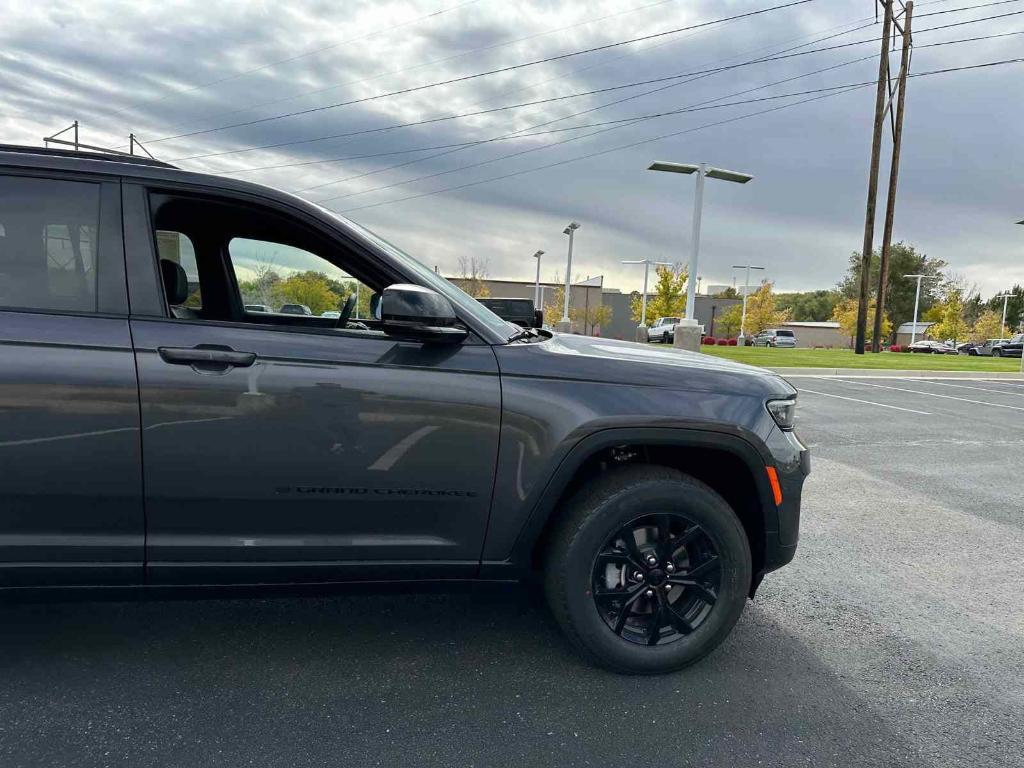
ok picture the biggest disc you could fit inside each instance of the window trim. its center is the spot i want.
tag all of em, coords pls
(146, 296)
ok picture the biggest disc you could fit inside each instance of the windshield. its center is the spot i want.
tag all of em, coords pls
(463, 301)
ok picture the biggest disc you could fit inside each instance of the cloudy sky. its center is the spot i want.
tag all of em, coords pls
(218, 71)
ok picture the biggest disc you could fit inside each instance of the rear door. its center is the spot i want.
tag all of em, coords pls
(70, 471)
(279, 448)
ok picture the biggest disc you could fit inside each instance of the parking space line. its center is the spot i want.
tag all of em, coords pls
(933, 394)
(967, 386)
(866, 402)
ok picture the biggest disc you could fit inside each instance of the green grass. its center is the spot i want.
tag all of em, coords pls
(844, 358)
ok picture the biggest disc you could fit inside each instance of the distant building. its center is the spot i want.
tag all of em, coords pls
(817, 334)
(903, 333)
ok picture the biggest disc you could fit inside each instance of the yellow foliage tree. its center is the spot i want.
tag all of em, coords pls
(310, 288)
(845, 314)
(988, 326)
(667, 299)
(727, 325)
(761, 311)
(951, 323)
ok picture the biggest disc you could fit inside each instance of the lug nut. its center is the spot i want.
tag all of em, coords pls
(649, 593)
(652, 560)
(668, 587)
(669, 567)
(638, 576)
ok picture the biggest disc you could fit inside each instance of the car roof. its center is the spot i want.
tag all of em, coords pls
(134, 167)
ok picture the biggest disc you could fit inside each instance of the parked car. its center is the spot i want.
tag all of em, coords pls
(775, 337)
(985, 350)
(663, 330)
(1011, 348)
(928, 346)
(654, 492)
(965, 348)
(257, 308)
(519, 311)
(295, 309)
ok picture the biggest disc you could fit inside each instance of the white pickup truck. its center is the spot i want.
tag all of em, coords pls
(663, 330)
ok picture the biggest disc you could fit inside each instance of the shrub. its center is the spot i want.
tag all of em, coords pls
(895, 348)
(723, 342)
(732, 342)
(709, 340)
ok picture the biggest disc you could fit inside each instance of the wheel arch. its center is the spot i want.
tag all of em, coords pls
(731, 463)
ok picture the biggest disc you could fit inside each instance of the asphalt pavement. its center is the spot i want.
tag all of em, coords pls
(896, 638)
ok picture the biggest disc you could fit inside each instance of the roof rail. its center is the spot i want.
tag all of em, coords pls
(102, 154)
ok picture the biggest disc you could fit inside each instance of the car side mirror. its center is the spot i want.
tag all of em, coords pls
(414, 313)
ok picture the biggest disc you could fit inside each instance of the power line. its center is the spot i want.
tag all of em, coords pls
(664, 136)
(520, 135)
(778, 57)
(463, 78)
(442, 60)
(534, 149)
(313, 52)
(635, 118)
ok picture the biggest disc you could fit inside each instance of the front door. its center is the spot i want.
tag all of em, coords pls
(281, 447)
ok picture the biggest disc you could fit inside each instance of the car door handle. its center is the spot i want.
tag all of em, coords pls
(207, 357)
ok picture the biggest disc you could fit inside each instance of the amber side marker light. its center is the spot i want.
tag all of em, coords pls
(773, 479)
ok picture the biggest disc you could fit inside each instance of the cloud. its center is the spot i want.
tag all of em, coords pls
(119, 67)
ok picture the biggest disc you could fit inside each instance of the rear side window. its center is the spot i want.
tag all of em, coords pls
(48, 242)
(783, 333)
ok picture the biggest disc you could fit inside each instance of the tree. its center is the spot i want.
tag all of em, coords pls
(951, 324)
(727, 324)
(988, 326)
(728, 293)
(667, 299)
(813, 306)
(899, 297)
(845, 314)
(591, 317)
(472, 277)
(311, 289)
(761, 311)
(1014, 307)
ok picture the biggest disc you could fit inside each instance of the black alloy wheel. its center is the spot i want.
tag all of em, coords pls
(656, 579)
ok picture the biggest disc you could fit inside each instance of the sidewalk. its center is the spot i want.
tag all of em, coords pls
(882, 373)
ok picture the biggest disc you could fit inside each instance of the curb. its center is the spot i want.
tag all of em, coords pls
(883, 373)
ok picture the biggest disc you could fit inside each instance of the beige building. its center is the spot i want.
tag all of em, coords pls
(818, 334)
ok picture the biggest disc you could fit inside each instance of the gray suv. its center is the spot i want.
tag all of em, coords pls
(155, 434)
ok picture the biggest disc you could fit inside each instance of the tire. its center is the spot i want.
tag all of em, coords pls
(997, 352)
(594, 517)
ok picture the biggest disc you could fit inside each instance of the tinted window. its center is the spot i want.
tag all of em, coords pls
(48, 232)
(783, 333)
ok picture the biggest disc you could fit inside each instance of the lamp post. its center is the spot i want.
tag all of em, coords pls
(1002, 326)
(746, 292)
(570, 230)
(917, 301)
(536, 284)
(647, 270)
(701, 170)
(1022, 350)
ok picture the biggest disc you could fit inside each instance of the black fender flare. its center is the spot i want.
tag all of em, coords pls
(741, 443)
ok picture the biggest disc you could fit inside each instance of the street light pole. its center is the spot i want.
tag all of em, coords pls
(1002, 326)
(647, 269)
(917, 301)
(570, 230)
(701, 170)
(536, 284)
(746, 292)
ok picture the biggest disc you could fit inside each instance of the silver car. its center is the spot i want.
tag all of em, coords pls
(775, 337)
(985, 350)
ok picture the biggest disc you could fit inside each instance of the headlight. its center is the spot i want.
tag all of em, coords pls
(784, 412)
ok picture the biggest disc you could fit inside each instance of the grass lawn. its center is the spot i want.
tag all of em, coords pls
(844, 358)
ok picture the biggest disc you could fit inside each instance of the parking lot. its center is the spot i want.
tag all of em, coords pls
(895, 638)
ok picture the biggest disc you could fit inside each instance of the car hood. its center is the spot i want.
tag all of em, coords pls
(594, 359)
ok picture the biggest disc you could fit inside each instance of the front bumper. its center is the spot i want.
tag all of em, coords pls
(793, 465)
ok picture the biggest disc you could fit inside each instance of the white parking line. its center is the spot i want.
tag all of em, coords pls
(866, 402)
(932, 394)
(967, 386)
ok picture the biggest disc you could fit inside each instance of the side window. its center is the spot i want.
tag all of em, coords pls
(177, 247)
(279, 278)
(48, 244)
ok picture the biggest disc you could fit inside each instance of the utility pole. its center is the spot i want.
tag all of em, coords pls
(876, 149)
(894, 172)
